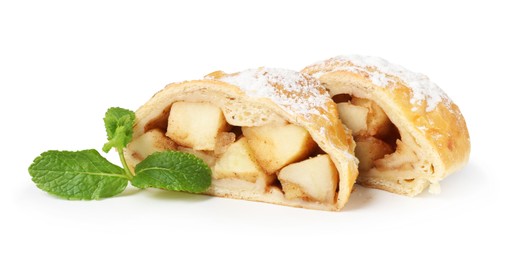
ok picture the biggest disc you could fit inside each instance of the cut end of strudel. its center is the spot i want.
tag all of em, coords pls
(268, 135)
(409, 134)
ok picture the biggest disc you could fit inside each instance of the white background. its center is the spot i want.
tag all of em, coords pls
(62, 64)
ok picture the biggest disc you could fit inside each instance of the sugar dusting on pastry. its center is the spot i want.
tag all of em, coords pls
(382, 73)
(294, 91)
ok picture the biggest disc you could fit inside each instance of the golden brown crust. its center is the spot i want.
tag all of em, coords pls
(434, 122)
(280, 98)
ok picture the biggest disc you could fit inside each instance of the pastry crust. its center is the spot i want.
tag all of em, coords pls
(434, 137)
(254, 98)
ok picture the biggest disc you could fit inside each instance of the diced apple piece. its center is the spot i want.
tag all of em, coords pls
(195, 125)
(275, 146)
(354, 117)
(315, 178)
(378, 122)
(238, 162)
(223, 140)
(370, 149)
(151, 141)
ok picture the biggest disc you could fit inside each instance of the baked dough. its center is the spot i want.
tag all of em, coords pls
(251, 104)
(426, 138)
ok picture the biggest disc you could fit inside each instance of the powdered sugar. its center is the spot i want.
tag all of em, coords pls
(383, 73)
(322, 131)
(291, 90)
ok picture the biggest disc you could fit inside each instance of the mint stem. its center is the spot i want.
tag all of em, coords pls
(124, 163)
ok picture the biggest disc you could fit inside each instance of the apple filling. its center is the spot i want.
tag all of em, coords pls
(380, 148)
(279, 157)
(374, 133)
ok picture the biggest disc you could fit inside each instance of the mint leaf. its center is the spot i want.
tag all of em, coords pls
(86, 175)
(81, 175)
(119, 127)
(172, 170)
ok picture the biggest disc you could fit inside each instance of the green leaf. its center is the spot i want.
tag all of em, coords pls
(119, 126)
(81, 175)
(172, 170)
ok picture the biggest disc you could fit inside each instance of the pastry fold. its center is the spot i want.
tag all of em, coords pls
(269, 135)
(409, 134)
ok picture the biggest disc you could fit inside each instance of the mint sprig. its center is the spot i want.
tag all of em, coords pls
(87, 175)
